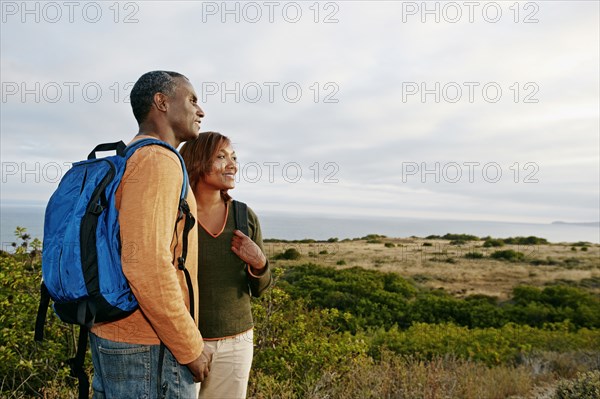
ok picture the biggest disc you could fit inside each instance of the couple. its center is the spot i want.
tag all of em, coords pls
(172, 340)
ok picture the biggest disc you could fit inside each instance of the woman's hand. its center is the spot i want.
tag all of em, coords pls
(248, 251)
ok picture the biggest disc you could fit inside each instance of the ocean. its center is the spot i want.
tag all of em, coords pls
(296, 227)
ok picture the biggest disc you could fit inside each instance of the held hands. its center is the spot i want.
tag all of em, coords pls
(201, 366)
(248, 251)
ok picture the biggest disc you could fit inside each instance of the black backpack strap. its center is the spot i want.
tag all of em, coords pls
(78, 361)
(190, 222)
(119, 147)
(240, 213)
(40, 320)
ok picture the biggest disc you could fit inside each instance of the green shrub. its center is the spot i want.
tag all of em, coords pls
(493, 242)
(373, 237)
(531, 240)
(294, 343)
(461, 237)
(389, 245)
(31, 369)
(340, 262)
(427, 244)
(585, 386)
(548, 261)
(473, 255)
(581, 244)
(508, 254)
(289, 254)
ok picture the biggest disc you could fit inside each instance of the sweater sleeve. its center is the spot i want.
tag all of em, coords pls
(148, 215)
(258, 283)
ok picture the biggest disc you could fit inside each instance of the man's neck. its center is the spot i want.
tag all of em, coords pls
(158, 132)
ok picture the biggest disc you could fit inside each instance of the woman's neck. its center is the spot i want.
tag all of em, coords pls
(207, 198)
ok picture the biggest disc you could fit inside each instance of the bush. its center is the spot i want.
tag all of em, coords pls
(461, 237)
(373, 237)
(585, 386)
(340, 262)
(31, 369)
(389, 245)
(289, 254)
(548, 261)
(427, 244)
(531, 240)
(509, 255)
(582, 244)
(493, 242)
(473, 255)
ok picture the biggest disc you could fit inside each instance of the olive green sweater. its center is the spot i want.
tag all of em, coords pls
(223, 283)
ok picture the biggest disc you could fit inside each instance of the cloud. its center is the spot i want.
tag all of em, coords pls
(369, 94)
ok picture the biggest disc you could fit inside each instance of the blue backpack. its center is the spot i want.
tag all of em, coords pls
(81, 258)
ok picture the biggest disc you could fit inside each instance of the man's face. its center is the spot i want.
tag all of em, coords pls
(184, 113)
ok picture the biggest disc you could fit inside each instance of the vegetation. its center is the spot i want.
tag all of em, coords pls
(493, 242)
(586, 386)
(359, 333)
(289, 254)
(474, 255)
(454, 237)
(508, 254)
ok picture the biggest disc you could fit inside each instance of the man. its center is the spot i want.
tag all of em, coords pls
(127, 353)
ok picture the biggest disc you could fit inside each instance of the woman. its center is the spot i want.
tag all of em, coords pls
(229, 263)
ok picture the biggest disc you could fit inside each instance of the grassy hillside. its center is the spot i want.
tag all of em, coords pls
(378, 318)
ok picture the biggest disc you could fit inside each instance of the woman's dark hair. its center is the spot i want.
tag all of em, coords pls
(199, 155)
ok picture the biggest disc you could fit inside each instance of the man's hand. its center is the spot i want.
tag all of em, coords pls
(201, 366)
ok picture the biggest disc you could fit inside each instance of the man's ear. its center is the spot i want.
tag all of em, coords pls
(160, 101)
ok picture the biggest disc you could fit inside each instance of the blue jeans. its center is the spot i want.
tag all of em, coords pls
(123, 371)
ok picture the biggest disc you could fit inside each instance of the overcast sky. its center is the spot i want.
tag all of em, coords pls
(446, 110)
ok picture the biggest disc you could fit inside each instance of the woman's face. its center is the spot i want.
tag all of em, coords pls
(224, 168)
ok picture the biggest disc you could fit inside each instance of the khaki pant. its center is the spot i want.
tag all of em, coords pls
(230, 368)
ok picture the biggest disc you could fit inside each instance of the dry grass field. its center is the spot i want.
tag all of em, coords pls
(436, 263)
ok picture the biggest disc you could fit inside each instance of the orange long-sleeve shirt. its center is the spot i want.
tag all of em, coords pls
(147, 200)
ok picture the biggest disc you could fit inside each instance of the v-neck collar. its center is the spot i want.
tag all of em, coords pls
(222, 227)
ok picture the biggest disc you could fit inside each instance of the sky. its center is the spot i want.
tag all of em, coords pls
(475, 110)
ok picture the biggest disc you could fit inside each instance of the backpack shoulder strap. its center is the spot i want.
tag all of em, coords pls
(240, 213)
(131, 148)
